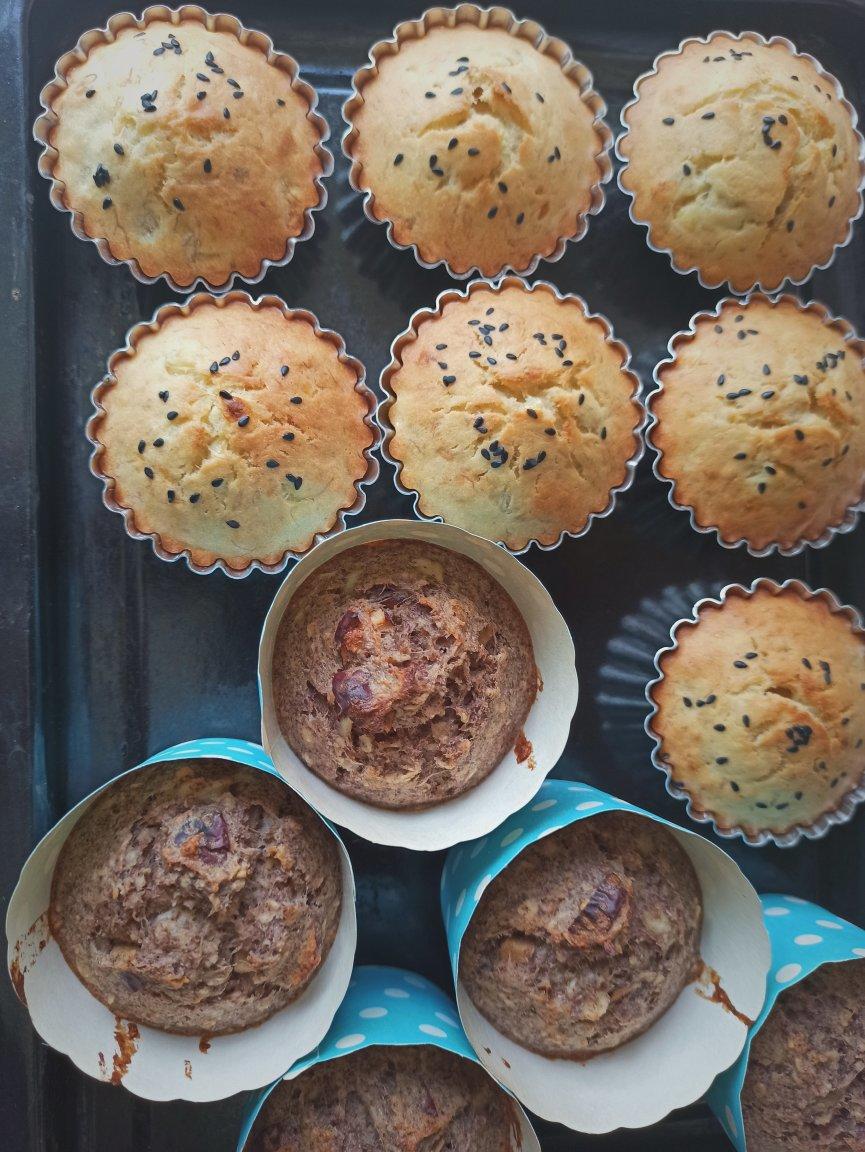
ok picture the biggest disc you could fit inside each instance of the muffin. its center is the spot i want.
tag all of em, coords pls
(587, 938)
(394, 1099)
(402, 673)
(805, 1084)
(196, 896)
(760, 709)
(479, 147)
(743, 160)
(757, 422)
(513, 413)
(189, 149)
(232, 431)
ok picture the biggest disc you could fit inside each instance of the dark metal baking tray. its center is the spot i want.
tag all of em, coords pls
(109, 654)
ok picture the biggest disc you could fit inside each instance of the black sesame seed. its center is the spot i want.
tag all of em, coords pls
(101, 176)
(448, 380)
(686, 168)
(90, 92)
(722, 759)
(118, 148)
(163, 396)
(549, 431)
(474, 151)
(272, 463)
(216, 483)
(800, 435)
(171, 415)
(531, 412)
(746, 720)
(708, 116)
(243, 421)
(831, 201)
(669, 120)
(178, 204)
(225, 360)
(720, 727)
(718, 329)
(235, 355)
(791, 224)
(767, 371)
(503, 187)
(721, 381)
(281, 102)
(768, 394)
(208, 167)
(232, 523)
(603, 433)
(226, 114)
(761, 488)
(734, 785)
(214, 367)
(200, 95)
(195, 497)
(456, 91)
(107, 202)
(539, 98)
(158, 442)
(224, 394)
(521, 217)
(141, 446)
(687, 701)
(430, 95)
(297, 400)
(739, 664)
(741, 456)
(170, 495)
(492, 212)
(452, 143)
(148, 472)
(289, 436)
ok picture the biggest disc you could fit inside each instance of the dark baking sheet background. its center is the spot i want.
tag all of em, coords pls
(109, 654)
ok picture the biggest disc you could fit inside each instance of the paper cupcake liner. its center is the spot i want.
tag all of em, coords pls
(134, 336)
(803, 937)
(847, 804)
(503, 19)
(153, 1064)
(672, 1063)
(221, 22)
(757, 38)
(389, 1007)
(685, 336)
(409, 334)
(508, 786)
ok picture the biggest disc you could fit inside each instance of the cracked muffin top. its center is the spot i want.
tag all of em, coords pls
(189, 151)
(586, 938)
(478, 148)
(805, 1083)
(387, 1099)
(760, 423)
(197, 896)
(742, 160)
(761, 710)
(402, 673)
(234, 433)
(514, 415)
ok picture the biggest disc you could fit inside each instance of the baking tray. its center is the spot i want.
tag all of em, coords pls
(109, 654)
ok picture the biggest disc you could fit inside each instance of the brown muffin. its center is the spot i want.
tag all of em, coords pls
(515, 416)
(758, 423)
(805, 1084)
(761, 710)
(742, 160)
(393, 1099)
(190, 152)
(196, 896)
(235, 433)
(477, 146)
(587, 938)
(402, 673)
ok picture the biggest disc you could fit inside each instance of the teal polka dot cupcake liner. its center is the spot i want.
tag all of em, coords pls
(388, 1007)
(674, 1062)
(803, 936)
(153, 1064)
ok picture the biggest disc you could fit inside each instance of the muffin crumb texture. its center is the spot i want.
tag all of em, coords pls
(402, 673)
(196, 897)
(761, 711)
(478, 147)
(760, 423)
(388, 1099)
(234, 432)
(187, 151)
(586, 938)
(743, 162)
(514, 415)
(805, 1083)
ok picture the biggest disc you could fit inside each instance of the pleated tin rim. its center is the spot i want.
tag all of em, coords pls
(145, 327)
(422, 315)
(219, 22)
(740, 37)
(505, 20)
(848, 803)
(685, 336)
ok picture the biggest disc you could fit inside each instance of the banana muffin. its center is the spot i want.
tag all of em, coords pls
(758, 424)
(235, 433)
(742, 160)
(477, 147)
(805, 1084)
(761, 710)
(395, 1099)
(197, 896)
(402, 673)
(514, 413)
(587, 938)
(191, 153)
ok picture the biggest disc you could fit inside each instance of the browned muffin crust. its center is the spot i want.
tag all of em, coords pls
(478, 147)
(514, 414)
(587, 938)
(402, 673)
(196, 896)
(234, 433)
(742, 160)
(187, 150)
(760, 422)
(387, 1099)
(761, 710)
(804, 1088)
